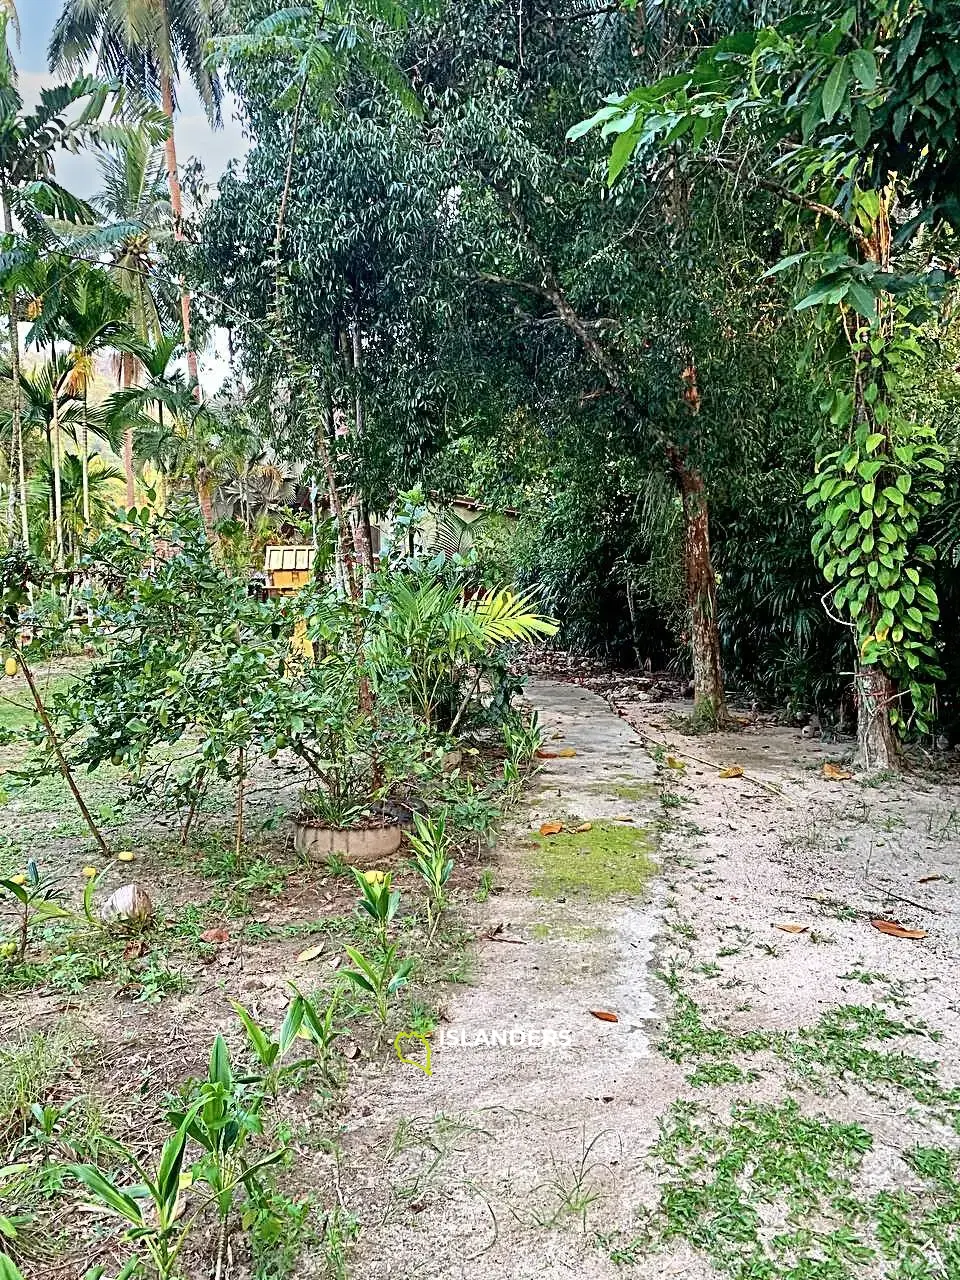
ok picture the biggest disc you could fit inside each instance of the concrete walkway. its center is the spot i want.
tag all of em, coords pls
(535, 1109)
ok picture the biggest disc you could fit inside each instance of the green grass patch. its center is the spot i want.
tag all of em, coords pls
(608, 859)
(770, 1193)
(852, 1042)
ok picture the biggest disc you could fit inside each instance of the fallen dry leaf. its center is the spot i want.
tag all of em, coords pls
(928, 879)
(311, 953)
(732, 771)
(134, 950)
(545, 755)
(566, 753)
(584, 826)
(792, 928)
(897, 930)
(551, 828)
(836, 772)
(215, 935)
(621, 817)
(604, 1015)
(674, 763)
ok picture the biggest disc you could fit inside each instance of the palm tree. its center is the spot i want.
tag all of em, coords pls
(29, 193)
(93, 317)
(136, 206)
(49, 277)
(172, 431)
(95, 493)
(145, 45)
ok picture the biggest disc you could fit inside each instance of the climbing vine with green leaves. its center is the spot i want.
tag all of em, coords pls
(870, 496)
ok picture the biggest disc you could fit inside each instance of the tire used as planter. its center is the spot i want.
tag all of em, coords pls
(355, 844)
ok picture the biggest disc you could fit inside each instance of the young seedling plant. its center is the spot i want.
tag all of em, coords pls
(430, 846)
(302, 1022)
(380, 982)
(378, 899)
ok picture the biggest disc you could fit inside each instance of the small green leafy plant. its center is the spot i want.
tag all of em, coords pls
(302, 1021)
(380, 982)
(430, 845)
(378, 899)
(161, 1229)
(224, 1114)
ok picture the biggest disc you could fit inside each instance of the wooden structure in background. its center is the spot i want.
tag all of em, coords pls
(287, 569)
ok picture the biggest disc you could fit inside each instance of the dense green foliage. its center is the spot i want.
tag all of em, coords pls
(428, 279)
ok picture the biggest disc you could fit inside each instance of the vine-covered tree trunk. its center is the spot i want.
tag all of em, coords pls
(701, 586)
(876, 742)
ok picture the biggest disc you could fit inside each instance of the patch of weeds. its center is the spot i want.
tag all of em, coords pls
(863, 975)
(824, 939)
(720, 1073)
(422, 1018)
(248, 880)
(337, 865)
(670, 800)
(155, 980)
(608, 859)
(28, 1071)
(770, 1193)
(341, 1231)
(848, 1042)
(683, 929)
(485, 887)
(572, 1188)
(280, 1228)
(627, 790)
(719, 1177)
(568, 930)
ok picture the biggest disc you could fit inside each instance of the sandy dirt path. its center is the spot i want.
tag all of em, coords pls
(486, 1167)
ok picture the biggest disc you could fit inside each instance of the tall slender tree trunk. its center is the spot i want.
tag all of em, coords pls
(56, 461)
(701, 588)
(85, 457)
(361, 527)
(176, 204)
(876, 692)
(127, 379)
(205, 502)
(16, 415)
(285, 194)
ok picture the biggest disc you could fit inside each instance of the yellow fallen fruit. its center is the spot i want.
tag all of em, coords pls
(8, 949)
(10, 666)
(19, 878)
(89, 872)
(126, 856)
